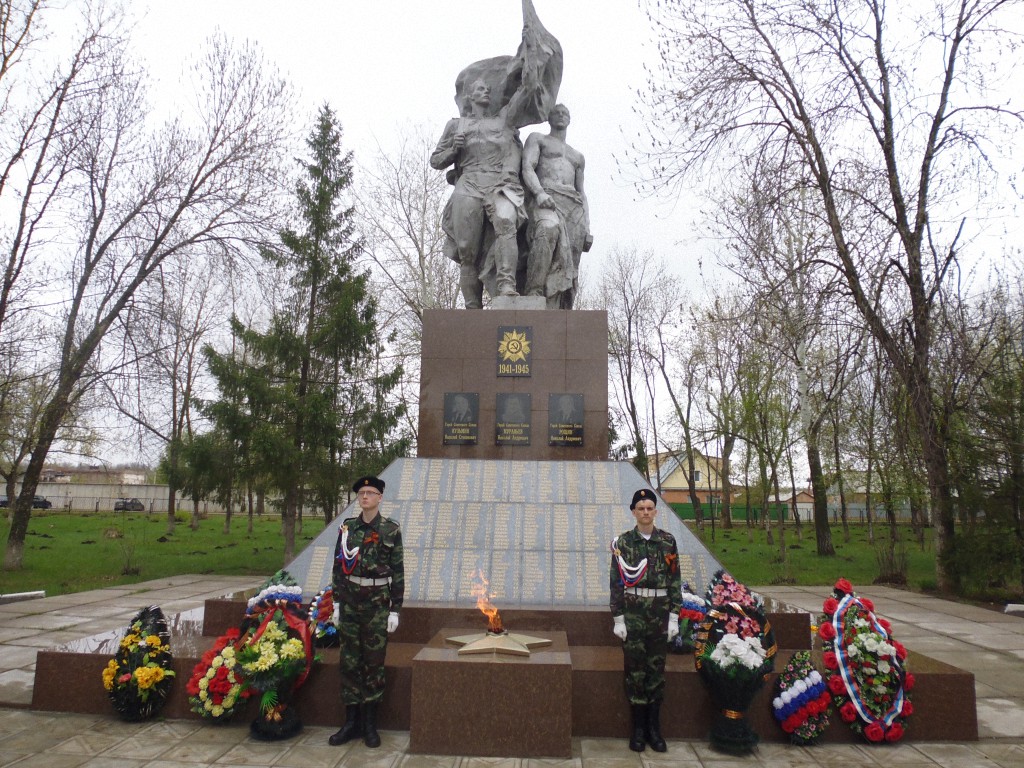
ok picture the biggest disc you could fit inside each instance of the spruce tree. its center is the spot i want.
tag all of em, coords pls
(311, 398)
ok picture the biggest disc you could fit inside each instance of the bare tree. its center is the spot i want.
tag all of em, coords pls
(721, 348)
(401, 200)
(165, 331)
(626, 291)
(135, 197)
(887, 110)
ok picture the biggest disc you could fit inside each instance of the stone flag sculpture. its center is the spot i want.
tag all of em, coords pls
(495, 98)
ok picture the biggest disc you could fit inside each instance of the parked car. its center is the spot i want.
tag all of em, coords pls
(39, 502)
(129, 505)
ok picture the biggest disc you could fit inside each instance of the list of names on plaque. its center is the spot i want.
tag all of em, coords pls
(536, 575)
(318, 569)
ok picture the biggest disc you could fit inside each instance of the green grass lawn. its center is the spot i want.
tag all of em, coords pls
(77, 552)
(747, 555)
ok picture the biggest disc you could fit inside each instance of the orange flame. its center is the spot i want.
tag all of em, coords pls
(483, 602)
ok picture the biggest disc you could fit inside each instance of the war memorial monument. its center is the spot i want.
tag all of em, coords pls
(511, 497)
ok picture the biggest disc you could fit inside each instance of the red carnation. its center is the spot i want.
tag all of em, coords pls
(874, 732)
(824, 700)
(836, 685)
(886, 626)
(789, 724)
(895, 733)
(830, 660)
(848, 712)
(908, 682)
(866, 602)
(844, 586)
(192, 687)
(812, 708)
(827, 632)
(908, 709)
(830, 606)
(901, 650)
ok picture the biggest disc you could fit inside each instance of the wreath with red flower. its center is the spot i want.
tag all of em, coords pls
(217, 684)
(865, 666)
(802, 701)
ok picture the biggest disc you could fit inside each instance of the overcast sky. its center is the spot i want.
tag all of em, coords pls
(382, 64)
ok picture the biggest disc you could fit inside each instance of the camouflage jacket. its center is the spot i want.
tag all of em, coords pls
(380, 555)
(662, 567)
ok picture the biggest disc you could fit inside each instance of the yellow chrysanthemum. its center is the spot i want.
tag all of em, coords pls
(153, 641)
(109, 674)
(147, 677)
(293, 649)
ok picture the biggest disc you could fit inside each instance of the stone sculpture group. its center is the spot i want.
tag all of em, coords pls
(517, 220)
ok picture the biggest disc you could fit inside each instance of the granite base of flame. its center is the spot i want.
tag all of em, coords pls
(492, 705)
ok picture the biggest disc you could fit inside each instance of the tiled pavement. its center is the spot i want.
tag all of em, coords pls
(989, 644)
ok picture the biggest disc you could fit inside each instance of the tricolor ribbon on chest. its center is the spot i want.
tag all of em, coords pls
(630, 575)
(347, 556)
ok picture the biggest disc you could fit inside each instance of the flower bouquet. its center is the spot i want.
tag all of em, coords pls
(277, 656)
(321, 619)
(217, 684)
(691, 614)
(138, 679)
(734, 654)
(801, 703)
(865, 670)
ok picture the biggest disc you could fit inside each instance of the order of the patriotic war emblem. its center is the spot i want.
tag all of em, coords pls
(514, 353)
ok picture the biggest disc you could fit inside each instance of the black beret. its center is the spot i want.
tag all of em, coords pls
(645, 494)
(368, 480)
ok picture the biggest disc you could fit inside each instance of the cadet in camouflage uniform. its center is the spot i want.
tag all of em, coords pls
(646, 595)
(369, 584)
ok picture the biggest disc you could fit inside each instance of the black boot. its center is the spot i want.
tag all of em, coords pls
(636, 741)
(654, 727)
(350, 730)
(370, 736)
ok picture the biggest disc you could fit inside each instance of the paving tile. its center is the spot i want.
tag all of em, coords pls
(449, 761)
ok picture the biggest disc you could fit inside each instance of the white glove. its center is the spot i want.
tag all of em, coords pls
(393, 622)
(619, 627)
(673, 626)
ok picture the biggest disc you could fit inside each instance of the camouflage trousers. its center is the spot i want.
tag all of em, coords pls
(363, 635)
(645, 648)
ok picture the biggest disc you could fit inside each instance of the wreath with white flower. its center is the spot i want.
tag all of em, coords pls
(802, 701)
(865, 667)
(217, 684)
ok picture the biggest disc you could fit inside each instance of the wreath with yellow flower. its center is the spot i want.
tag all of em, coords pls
(217, 684)
(277, 655)
(138, 679)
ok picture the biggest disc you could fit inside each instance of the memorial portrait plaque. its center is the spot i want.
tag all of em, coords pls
(565, 419)
(514, 350)
(461, 418)
(512, 419)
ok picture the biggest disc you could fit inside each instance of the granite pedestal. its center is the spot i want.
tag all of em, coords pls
(492, 705)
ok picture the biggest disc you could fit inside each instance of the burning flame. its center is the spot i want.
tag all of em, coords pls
(483, 602)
